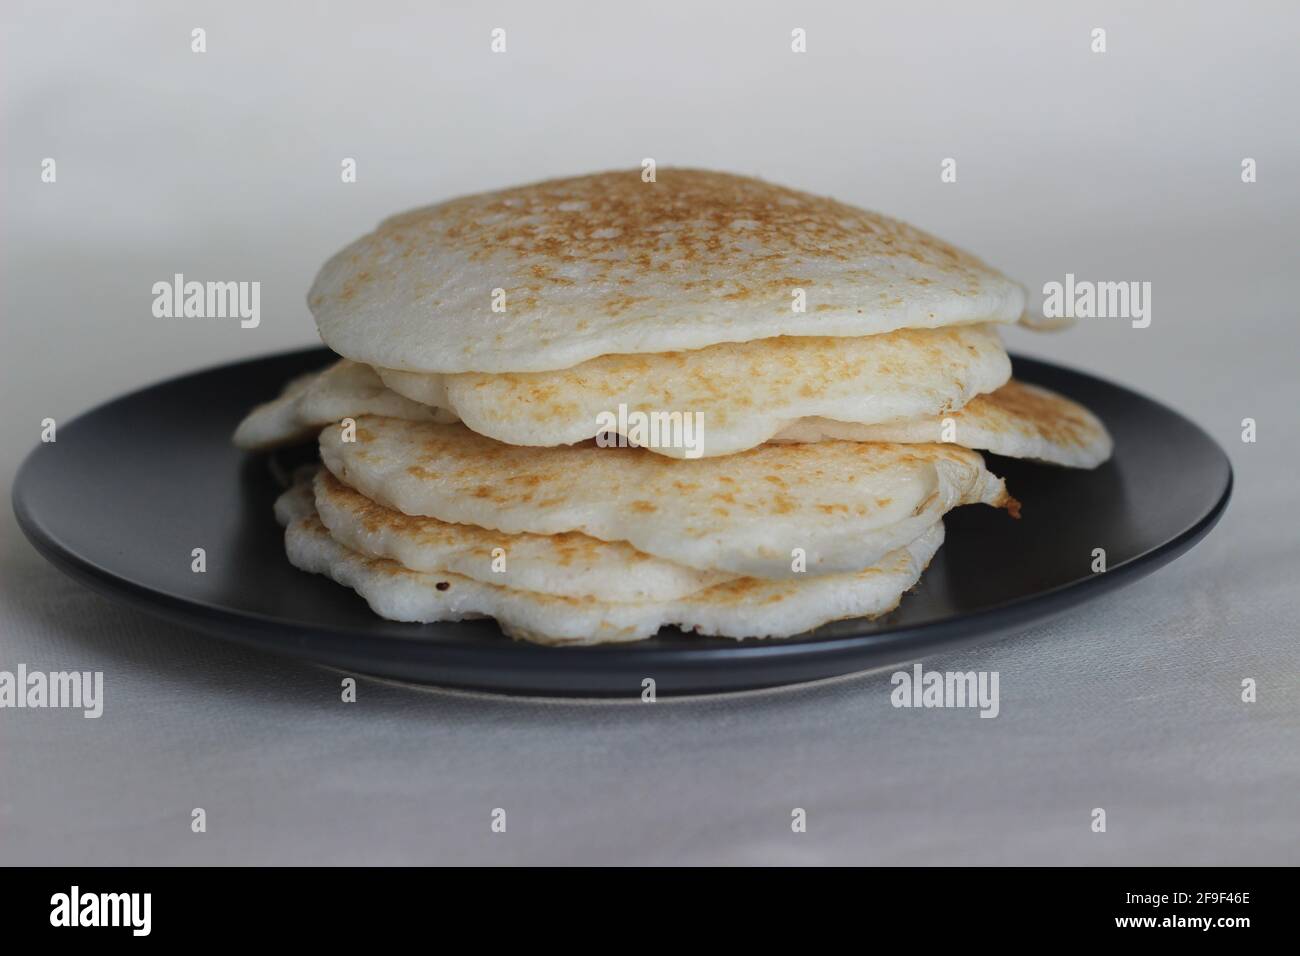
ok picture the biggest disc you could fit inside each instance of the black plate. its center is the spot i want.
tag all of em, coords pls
(129, 489)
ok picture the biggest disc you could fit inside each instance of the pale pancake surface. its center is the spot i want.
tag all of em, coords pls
(342, 390)
(609, 264)
(1018, 420)
(565, 565)
(835, 506)
(743, 393)
(744, 607)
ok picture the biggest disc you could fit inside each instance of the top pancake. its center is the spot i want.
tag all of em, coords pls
(609, 264)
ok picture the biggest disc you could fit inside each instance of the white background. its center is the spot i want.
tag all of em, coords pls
(225, 165)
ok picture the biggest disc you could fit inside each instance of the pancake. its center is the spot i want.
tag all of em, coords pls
(1018, 421)
(744, 393)
(564, 565)
(298, 500)
(844, 505)
(343, 390)
(608, 264)
(743, 607)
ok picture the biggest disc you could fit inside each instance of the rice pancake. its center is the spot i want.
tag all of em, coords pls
(743, 607)
(1018, 421)
(570, 564)
(776, 511)
(743, 393)
(552, 274)
(342, 390)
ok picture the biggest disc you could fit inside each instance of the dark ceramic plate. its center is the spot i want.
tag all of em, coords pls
(129, 489)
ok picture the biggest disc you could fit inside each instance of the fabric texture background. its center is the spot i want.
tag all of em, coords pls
(1122, 166)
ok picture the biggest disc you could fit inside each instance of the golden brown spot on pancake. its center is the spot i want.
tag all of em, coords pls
(783, 504)
(611, 227)
(616, 305)
(1019, 407)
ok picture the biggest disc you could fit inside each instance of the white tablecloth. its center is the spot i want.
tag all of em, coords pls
(225, 165)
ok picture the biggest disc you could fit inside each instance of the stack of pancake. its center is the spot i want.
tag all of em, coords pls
(592, 407)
